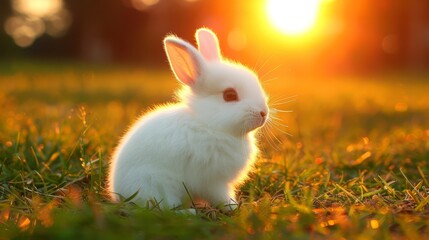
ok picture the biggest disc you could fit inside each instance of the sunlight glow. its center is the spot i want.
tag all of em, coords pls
(293, 17)
(37, 8)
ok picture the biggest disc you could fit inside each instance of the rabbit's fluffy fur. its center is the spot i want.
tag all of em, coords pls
(204, 142)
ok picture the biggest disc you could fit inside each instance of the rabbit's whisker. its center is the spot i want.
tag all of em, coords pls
(281, 103)
(269, 80)
(275, 110)
(279, 124)
(275, 140)
(276, 118)
(269, 138)
(285, 98)
(270, 71)
(259, 68)
(273, 124)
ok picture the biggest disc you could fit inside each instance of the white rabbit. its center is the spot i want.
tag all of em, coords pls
(204, 142)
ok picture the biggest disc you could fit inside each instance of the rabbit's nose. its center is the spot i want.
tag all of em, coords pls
(263, 114)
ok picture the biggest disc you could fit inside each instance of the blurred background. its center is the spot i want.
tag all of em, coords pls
(301, 37)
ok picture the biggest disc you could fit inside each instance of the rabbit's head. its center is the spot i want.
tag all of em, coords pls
(219, 94)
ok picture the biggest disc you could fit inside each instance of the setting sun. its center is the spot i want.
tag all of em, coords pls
(293, 17)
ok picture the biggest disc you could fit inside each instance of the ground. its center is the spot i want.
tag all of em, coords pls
(351, 165)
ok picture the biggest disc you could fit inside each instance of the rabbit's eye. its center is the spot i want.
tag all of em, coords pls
(230, 95)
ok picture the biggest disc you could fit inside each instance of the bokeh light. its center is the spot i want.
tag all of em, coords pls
(143, 4)
(37, 8)
(33, 18)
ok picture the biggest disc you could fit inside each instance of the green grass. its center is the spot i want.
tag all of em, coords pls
(356, 166)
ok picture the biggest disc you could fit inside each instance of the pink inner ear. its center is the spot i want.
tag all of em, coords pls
(208, 44)
(182, 61)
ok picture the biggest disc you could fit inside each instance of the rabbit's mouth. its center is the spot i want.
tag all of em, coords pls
(257, 120)
(262, 120)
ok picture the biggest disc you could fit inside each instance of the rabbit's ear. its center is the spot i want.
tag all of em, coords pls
(185, 61)
(208, 44)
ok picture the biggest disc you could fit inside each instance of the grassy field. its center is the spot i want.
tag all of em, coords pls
(355, 167)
